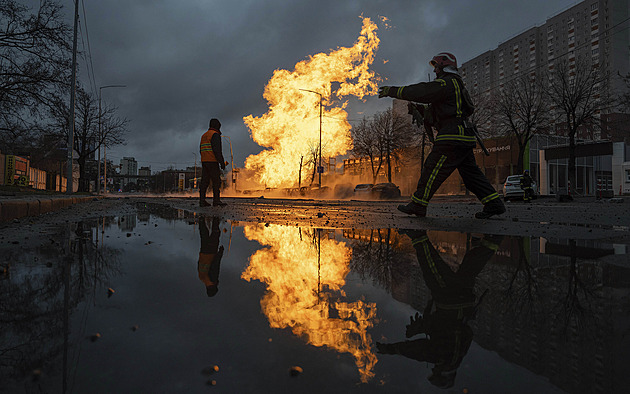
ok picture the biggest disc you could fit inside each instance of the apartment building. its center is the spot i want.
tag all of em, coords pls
(592, 32)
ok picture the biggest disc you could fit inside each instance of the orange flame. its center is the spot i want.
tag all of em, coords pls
(297, 267)
(290, 128)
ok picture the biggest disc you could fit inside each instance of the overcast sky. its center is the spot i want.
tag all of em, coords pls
(186, 61)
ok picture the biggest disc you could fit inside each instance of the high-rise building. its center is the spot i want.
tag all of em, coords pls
(128, 166)
(594, 32)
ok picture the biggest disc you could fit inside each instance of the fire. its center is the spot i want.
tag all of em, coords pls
(290, 128)
(302, 270)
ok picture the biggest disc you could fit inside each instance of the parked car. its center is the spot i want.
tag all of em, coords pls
(385, 191)
(343, 190)
(512, 188)
(363, 189)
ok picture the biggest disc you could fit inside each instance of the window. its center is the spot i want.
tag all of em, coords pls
(627, 176)
(593, 6)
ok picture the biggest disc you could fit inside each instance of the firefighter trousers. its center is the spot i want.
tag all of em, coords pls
(440, 164)
(528, 193)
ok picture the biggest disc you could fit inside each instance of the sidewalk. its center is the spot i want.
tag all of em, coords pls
(17, 202)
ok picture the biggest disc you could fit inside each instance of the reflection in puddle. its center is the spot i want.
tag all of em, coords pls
(304, 272)
(539, 313)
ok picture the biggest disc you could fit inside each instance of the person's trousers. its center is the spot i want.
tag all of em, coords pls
(210, 173)
(440, 164)
(528, 193)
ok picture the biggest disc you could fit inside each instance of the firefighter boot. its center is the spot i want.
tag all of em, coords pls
(493, 207)
(413, 209)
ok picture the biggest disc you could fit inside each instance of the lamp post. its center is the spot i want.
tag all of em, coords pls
(319, 167)
(101, 141)
(231, 160)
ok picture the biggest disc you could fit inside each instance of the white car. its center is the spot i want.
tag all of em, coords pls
(512, 188)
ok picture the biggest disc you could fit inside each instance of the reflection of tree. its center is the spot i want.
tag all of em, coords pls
(556, 296)
(381, 255)
(37, 297)
(577, 306)
(522, 293)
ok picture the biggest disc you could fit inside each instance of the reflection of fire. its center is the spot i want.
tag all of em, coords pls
(291, 126)
(295, 280)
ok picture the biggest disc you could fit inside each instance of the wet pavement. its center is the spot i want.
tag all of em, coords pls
(172, 300)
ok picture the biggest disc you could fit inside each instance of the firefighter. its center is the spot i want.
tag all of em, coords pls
(450, 106)
(452, 305)
(210, 254)
(526, 186)
(212, 162)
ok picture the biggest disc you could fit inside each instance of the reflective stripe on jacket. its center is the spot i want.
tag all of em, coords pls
(450, 105)
(205, 146)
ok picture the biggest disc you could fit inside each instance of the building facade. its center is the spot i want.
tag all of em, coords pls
(595, 33)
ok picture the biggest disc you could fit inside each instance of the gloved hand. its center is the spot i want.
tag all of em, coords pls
(222, 164)
(383, 91)
(415, 326)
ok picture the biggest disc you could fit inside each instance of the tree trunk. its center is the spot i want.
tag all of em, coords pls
(83, 182)
(389, 164)
(571, 166)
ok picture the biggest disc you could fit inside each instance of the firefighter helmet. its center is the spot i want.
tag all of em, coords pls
(443, 60)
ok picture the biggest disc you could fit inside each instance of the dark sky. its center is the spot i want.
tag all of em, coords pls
(186, 61)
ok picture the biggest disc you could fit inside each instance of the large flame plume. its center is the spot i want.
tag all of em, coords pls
(303, 271)
(290, 128)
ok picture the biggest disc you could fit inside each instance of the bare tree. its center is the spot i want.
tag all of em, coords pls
(394, 133)
(382, 139)
(521, 110)
(576, 90)
(366, 145)
(483, 115)
(87, 138)
(34, 61)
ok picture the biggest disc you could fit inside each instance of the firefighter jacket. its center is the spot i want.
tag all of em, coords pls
(526, 182)
(451, 106)
(210, 146)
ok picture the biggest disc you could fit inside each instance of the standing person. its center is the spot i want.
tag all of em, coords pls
(211, 159)
(526, 185)
(450, 107)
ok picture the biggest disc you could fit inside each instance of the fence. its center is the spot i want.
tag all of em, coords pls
(16, 170)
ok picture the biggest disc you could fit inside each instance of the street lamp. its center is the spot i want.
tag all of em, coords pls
(101, 141)
(231, 160)
(320, 169)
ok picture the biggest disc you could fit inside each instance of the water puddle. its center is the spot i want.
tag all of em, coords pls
(168, 301)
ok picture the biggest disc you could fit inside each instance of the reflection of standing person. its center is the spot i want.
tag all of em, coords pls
(211, 159)
(210, 255)
(526, 186)
(450, 107)
(453, 303)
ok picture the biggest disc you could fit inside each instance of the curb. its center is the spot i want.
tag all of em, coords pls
(15, 209)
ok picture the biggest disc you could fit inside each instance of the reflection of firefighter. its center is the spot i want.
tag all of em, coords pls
(526, 185)
(210, 255)
(453, 303)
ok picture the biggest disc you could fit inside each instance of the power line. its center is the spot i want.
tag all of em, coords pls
(89, 51)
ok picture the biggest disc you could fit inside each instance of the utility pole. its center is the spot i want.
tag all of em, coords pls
(73, 81)
(320, 169)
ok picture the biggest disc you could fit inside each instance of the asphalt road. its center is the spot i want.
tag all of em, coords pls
(581, 219)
